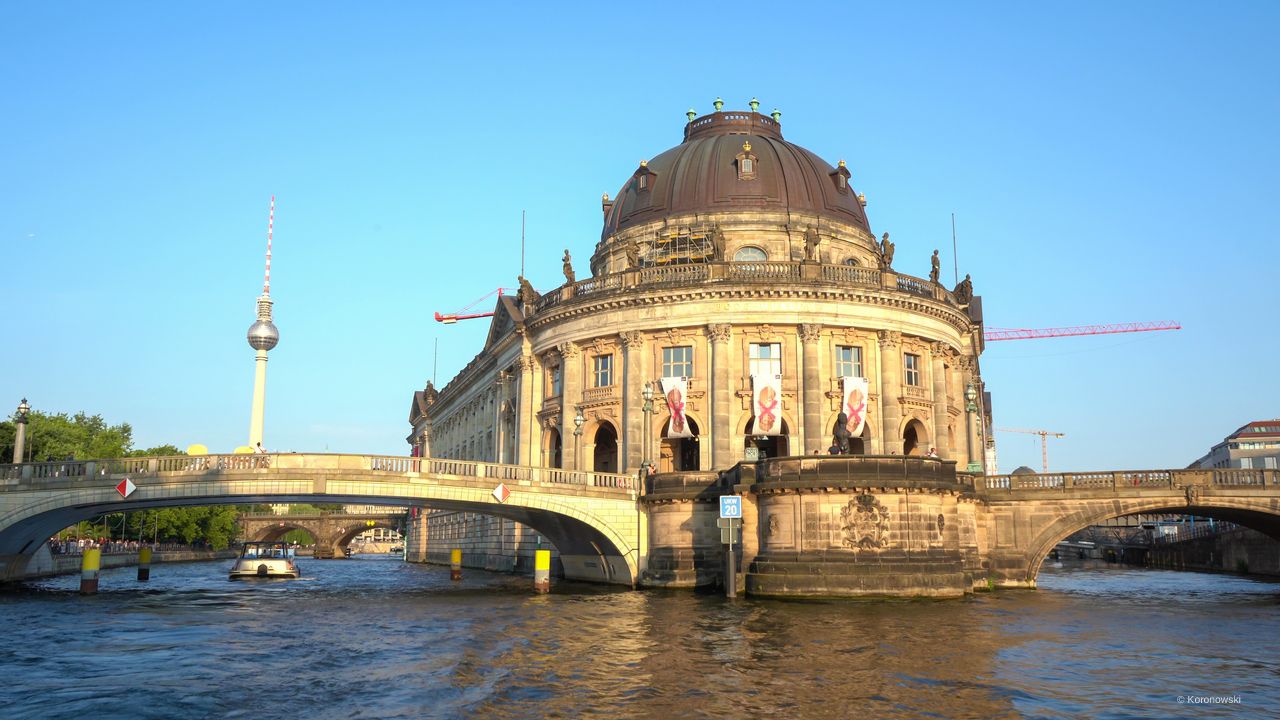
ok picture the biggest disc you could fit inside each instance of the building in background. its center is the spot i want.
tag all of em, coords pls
(1253, 446)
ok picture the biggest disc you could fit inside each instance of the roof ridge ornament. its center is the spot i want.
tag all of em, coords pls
(755, 105)
(718, 103)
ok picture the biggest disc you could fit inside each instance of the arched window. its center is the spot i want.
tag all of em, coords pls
(750, 254)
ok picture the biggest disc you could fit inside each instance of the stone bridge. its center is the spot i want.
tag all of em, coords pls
(591, 518)
(1023, 517)
(332, 532)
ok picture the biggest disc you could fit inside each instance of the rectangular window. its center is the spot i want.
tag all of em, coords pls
(603, 370)
(766, 358)
(677, 361)
(913, 369)
(848, 361)
(554, 376)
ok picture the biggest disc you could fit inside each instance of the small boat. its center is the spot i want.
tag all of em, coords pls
(397, 550)
(265, 560)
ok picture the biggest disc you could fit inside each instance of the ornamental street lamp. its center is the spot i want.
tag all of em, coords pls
(647, 408)
(20, 440)
(578, 420)
(971, 407)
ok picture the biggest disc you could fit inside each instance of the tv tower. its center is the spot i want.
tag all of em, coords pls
(263, 336)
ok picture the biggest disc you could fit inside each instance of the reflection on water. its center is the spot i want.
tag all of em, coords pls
(375, 638)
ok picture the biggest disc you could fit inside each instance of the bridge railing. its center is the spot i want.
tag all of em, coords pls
(1129, 479)
(143, 466)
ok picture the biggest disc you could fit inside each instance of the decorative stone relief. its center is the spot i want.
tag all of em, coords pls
(865, 523)
(719, 332)
(568, 349)
(526, 363)
(772, 526)
(766, 332)
(810, 332)
(631, 339)
(676, 336)
(890, 338)
(1193, 494)
(942, 523)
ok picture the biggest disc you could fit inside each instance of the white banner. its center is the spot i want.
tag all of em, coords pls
(676, 389)
(855, 404)
(766, 404)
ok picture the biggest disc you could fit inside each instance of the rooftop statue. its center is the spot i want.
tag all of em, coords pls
(935, 269)
(569, 277)
(886, 251)
(526, 294)
(964, 291)
(633, 255)
(717, 242)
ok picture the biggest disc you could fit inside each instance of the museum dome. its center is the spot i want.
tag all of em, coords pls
(734, 161)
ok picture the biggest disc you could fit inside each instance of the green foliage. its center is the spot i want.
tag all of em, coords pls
(59, 436)
(301, 537)
(213, 524)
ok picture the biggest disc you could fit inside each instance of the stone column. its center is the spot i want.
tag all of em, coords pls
(526, 430)
(570, 398)
(890, 391)
(722, 455)
(811, 435)
(633, 376)
(939, 355)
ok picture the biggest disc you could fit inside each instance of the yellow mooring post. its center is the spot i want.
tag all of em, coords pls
(144, 564)
(90, 561)
(541, 571)
(455, 564)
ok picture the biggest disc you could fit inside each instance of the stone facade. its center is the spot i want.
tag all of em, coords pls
(716, 275)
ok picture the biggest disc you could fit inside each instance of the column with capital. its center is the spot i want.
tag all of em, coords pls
(938, 353)
(570, 398)
(525, 430)
(722, 455)
(890, 391)
(812, 434)
(633, 377)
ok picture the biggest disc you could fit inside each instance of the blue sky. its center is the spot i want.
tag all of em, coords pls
(1106, 162)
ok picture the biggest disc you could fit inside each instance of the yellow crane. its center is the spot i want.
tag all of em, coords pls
(1044, 442)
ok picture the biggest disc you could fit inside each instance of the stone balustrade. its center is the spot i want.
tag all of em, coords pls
(1129, 479)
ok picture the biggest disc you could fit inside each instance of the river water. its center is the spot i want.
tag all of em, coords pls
(373, 637)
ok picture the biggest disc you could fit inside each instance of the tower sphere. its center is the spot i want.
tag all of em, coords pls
(263, 335)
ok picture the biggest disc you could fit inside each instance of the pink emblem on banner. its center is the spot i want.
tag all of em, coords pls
(855, 404)
(676, 389)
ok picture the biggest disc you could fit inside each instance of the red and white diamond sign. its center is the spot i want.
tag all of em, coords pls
(126, 488)
(501, 492)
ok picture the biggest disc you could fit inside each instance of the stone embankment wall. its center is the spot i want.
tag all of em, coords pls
(487, 542)
(46, 564)
(1240, 550)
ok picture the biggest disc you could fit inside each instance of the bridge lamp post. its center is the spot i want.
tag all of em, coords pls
(578, 420)
(20, 440)
(971, 407)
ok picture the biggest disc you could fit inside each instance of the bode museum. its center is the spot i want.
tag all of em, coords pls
(740, 317)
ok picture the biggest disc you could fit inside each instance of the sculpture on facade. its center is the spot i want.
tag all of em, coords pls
(840, 435)
(633, 255)
(716, 236)
(935, 269)
(430, 394)
(964, 291)
(526, 294)
(886, 251)
(811, 241)
(569, 277)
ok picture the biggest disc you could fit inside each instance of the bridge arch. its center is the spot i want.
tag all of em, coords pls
(591, 518)
(1261, 514)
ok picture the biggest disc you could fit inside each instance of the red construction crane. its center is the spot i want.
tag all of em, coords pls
(1044, 443)
(453, 317)
(994, 334)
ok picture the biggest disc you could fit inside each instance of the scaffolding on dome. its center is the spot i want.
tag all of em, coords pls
(679, 246)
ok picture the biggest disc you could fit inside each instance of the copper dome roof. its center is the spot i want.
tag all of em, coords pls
(704, 175)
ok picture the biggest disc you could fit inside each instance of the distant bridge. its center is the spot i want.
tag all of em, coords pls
(591, 518)
(1027, 515)
(332, 532)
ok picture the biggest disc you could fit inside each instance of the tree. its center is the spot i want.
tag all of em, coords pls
(59, 436)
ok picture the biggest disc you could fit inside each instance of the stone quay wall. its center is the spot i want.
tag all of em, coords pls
(487, 542)
(1240, 550)
(46, 564)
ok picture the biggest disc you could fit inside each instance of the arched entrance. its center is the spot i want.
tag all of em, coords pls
(606, 449)
(551, 449)
(767, 446)
(914, 438)
(679, 454)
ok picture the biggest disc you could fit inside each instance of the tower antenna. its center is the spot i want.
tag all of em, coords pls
(435, 361)
(271, 221)
(521, 243)
(954, 259)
